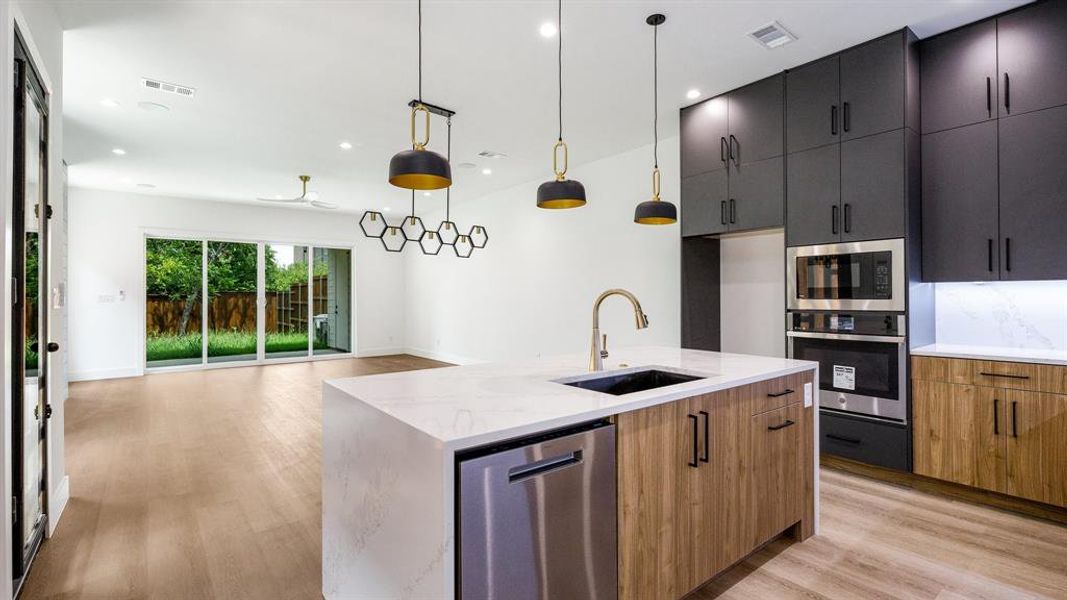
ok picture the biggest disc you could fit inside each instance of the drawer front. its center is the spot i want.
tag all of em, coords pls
(881, 444)
(776, 393)
(998, 374)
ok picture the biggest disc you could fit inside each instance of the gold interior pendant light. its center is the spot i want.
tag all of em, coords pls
(655, 211)
(419, 168)
(560, 192)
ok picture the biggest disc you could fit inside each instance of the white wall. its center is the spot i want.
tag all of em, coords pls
(107, 249)
(531, 290)
(1016, 314)
(752, 293)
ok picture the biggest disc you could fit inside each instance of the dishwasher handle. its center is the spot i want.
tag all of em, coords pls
(530, 470)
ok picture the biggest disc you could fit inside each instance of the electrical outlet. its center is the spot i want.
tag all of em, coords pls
(105, 298)
(808, 393)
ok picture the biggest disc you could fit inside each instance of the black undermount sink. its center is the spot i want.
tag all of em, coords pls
(637, 381)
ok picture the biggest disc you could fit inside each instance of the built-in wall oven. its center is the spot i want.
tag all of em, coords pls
(851, 276)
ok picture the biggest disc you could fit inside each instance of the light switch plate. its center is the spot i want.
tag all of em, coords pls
(807, 395)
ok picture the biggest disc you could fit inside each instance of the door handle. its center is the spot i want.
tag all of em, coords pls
(534, 469)
(733, 210)
(778, 394)
(707, 439)
(996, 416)
(846, 118)
(1005, 375)
(989, 96)
(990, 252)
(722, 211)
(787, 423)
(693, 432)
(833, 219)
(722, 149)
(833, 119)
(734, 143)
(848, 216)
(1007, 254)
(841, 438)
(52, 346)
(1007, 93)
(1014, 420)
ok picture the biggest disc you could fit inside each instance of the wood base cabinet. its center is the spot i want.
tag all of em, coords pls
(996, 426)
(706, 480)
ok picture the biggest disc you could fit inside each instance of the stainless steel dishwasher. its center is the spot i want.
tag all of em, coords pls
(537, 518)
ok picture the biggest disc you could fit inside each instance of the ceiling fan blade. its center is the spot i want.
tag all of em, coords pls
(322, 204)
(282, 200)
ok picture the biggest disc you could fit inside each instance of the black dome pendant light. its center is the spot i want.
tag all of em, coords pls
(419, 168)
(560, 192)
(655, 211)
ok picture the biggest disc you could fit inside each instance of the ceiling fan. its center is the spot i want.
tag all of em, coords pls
(305, 197)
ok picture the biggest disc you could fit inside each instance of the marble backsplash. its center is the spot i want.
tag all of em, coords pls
(1024, 314)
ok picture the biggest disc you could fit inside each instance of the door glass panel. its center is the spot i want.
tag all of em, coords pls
(874, 366)
(286, 277)
(332, 301)
(173, 283)
(858, 276)
(231, 309)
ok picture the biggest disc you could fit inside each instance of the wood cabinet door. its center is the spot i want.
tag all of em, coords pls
(704, 204)
(959, 433)
(655, 453)
(757, 121)
(813, 196)
(958, 72)
(960, 204)
(872, 187)
(1037, 446)
(812, 105)
(872, 87)
(757, 195)
(703, 130)
(777, 471)
(1033, 195)
(1032, 56)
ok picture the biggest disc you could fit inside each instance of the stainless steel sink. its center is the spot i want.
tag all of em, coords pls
(635, 381)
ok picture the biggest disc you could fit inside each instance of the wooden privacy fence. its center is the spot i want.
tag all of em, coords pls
(236, 311)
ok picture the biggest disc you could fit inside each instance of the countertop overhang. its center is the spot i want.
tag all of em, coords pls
(467, 406)
(995, 353)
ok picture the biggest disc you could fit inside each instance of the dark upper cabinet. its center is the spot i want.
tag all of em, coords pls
(813, 196)
(1033, 195)
(959, 204)
(756, 195)
(703, 137)
(812, 105)
(873, 87)
(873, 176)
(704, 204)
(756, 122)
(959, 77)
(1032, 56)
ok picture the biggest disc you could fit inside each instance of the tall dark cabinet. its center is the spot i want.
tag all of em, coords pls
(994, 143)
(852, 141)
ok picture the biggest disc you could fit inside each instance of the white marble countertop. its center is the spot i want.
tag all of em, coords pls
(1027, 355)
(466, 406)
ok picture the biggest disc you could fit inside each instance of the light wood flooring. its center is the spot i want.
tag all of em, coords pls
(207, 485)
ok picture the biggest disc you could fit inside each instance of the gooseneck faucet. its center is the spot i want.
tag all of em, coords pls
(599, 349)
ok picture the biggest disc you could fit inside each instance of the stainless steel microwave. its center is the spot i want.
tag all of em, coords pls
(847, 276)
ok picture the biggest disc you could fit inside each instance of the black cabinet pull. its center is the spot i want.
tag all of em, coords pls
(1005, 375)
(833, 119)
(52, 347)
(1014, 420)
(722, 211)
(846, 117)
(787, 423)
(733, 210)
(736, 157)
(779, 394)
(848, 217)
(841, 438)
(1007, 93)
(707, 440)
(990, 252)
(722, 149)
(989, 96)
(996, 416)
(693, 432)
(1007, 253)
(833, 219)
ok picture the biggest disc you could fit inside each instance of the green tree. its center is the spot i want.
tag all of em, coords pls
(173, 269)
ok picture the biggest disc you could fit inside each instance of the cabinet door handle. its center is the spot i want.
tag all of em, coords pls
(1007, 253)
(722, 149)
(990, 253)
(846, 117)
(848, 216)
(733, 210)
(707, 439)
(693, 432)
(787, 423)
(841, 438)
(1007, 93)
(1005, 375)
(996, 416)
(736, 157)
(833, 119)
(784, 392)
(722, 211)
(1014, 420)
(833, 219)
(989, 96)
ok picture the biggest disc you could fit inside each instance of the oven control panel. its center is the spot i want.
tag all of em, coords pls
(863, 323)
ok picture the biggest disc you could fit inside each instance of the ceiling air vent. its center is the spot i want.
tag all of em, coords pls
(170, 88)
(772, 35)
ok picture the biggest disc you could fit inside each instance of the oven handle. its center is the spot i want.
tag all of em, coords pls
(888, 339)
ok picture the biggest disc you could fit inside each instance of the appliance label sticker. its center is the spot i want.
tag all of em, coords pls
(844, 377)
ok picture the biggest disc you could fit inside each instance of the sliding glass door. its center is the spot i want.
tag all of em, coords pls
(332, 301)
(287, 295)
(174, 279)
(232, 311)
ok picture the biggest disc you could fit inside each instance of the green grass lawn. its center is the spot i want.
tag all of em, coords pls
(222, 343)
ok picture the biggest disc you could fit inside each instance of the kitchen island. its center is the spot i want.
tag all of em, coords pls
(390, 447)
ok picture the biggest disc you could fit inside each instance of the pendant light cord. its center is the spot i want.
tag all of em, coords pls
(420, 51)
(655, 95)
(448, 156)
(559, 57)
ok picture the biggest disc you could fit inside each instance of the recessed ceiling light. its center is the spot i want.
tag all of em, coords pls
(118, 151)
(487, 171)
(345, 145)
(492, 154)
(153, 106)
(147, 186)
(548, 29)
(110, 103)
(692, 94)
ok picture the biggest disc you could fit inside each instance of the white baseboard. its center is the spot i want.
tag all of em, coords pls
(57, 501)
(383, 351)
(447, 357)
(105, 374)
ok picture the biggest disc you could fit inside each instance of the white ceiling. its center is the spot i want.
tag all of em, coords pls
(280, 83)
